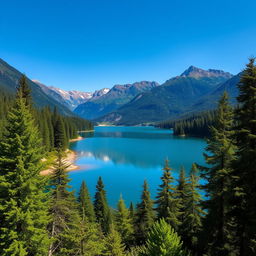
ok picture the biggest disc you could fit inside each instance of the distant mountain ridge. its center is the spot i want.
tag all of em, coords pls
(116, 97)
(70, 98)
(175, 97)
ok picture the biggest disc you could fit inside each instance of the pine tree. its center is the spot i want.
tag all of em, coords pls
(131, 212)
(23, 202)
(182, 194)
(194, 170)
(113, 244)
(65, 217)
(144, 215)
(59, 134)
(193, 215)
(88, 239)
(167, 202)
(124, 223)
(218, 175)
(163, 240)
(85, 204)
(244, 199)
(25, 91)
(101, 209)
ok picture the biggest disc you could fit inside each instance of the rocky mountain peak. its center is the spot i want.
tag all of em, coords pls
(196, 72)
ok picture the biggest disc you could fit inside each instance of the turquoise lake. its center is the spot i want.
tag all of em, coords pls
(125, 156)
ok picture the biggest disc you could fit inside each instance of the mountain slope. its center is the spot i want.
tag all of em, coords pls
(210, 100)
(9, 78)
(70, 99)
(115, 98)
(169, 100)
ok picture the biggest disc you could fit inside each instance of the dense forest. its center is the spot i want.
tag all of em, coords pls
(48, 120)
(197, 125)
(42, 216)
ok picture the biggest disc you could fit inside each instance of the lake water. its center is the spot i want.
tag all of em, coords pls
(125, 156)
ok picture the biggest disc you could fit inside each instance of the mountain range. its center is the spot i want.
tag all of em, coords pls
(193, 91)
(71, 99)
(117, 96)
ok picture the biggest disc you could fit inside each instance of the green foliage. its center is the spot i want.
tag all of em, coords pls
(144, 215)
(45, 119)
(23, 204)
(113, 244)
(124, 223)
(219, 178)
(85, 204)
(191, 226)
(194, 125)
(101, 208)
(60, 140)
(135, 250)
(182, 194)
(162, 240)
(244, 197)
(167, 202)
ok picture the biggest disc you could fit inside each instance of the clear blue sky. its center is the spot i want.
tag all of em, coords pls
(90, 44)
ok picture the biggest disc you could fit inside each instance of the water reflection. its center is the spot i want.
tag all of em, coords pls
(143, 147)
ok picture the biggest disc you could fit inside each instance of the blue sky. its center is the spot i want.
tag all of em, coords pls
(90, 44)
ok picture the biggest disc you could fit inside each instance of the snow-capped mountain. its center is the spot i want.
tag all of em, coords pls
(70, 98)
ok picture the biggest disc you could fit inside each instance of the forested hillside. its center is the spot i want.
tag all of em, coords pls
(49, 122)
(9, 79)
(195, 125)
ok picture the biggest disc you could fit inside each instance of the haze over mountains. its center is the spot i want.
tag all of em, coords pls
(195, 90)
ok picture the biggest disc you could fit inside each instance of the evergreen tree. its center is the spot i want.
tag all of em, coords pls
(194, 170)
(85, 204)
(124, 223)
(163, 240)
(244, 199)
(59, 134)
(182, 194)
(131, 212)
(218, 175)
(167, 203)
(23, 202)
(101, 209)
(24, 91)
(193, 215)
(65, 217)
(89, 240)
(113, 244)
(144, 215)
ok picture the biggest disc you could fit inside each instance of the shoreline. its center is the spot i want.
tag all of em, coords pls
(77, 139)
(69, 159)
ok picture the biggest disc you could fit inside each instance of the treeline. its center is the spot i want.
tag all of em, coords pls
(197, 125)
(41, 216)
(51, 124)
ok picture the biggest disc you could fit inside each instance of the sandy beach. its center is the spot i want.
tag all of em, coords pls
(77, 139)
(69, 159)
